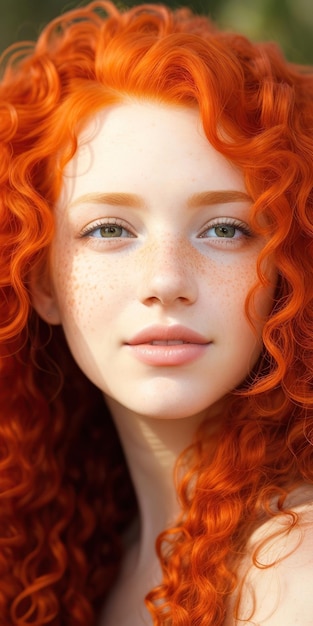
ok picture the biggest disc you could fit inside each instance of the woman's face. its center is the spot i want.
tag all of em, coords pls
(152, 262)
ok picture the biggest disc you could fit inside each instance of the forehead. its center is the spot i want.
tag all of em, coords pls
(143, 144)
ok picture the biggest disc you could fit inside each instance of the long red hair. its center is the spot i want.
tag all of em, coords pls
(65, 493)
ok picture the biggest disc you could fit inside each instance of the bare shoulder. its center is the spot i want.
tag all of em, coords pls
(277, 572)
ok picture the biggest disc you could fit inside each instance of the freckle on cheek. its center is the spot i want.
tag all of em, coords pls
(199, 263)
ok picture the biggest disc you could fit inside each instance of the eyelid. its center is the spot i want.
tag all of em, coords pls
(107, 221)
(227, 221)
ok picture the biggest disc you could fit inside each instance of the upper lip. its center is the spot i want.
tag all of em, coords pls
(167, 333)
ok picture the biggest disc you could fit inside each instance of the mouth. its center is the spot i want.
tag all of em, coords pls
(168, 336)
(165, 346)
(170, 342)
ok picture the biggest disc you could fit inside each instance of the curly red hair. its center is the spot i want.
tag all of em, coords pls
(65, 493)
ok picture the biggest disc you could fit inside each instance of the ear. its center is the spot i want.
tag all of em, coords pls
(43, 297)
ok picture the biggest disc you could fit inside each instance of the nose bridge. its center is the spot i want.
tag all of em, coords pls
(169, 254)
(167, 270)
(168, 250)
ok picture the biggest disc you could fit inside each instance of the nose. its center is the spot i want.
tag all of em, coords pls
(167, 273)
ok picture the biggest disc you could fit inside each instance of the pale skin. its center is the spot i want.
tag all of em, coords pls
(153, 235)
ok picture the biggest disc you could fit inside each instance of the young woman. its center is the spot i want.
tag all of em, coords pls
(156, 326)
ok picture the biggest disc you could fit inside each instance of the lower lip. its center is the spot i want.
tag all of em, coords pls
(168, 355)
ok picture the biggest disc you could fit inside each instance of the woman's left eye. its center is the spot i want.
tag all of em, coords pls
(223, 230)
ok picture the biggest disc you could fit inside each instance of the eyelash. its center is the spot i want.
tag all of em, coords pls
(92, 228)
(227, 222)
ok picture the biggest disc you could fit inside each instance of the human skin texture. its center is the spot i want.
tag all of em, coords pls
(153, 229)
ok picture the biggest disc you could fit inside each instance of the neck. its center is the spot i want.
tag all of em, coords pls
(152, 447)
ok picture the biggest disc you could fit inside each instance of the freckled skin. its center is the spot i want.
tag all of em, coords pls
(165, 272)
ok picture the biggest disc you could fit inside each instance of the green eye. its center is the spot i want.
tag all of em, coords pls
(110, 231)
(107, 230)
(225, 231)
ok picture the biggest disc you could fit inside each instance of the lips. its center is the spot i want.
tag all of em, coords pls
(164, 346)
(167, 335)
(171, 342)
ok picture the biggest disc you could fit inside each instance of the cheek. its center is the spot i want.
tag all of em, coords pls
(88, 292)
(227, 285)
(233, 285)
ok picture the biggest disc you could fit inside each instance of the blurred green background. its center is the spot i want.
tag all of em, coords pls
(289, 22)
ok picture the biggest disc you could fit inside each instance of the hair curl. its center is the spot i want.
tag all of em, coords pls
(65, 493)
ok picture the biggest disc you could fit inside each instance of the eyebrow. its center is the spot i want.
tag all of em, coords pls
(113, 199)
(203, 198)
(209, 198)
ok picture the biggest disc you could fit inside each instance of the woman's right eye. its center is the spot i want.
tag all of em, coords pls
(106, 230)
